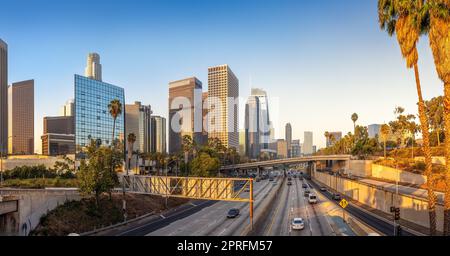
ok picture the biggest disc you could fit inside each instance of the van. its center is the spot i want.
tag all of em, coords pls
(312, 199)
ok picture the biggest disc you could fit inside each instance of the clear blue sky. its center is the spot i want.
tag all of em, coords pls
(323, 59)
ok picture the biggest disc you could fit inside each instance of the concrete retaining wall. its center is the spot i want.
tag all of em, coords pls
(387, 173)
(34, 203)
(360, 168)
(411, 208)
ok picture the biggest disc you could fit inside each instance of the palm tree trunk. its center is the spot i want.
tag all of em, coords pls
(112, 144)
(384, 148)
(438, 139)
(447, 159)
(427, 153)
(113, 131)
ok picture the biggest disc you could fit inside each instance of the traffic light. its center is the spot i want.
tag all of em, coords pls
(399, 230)
(397, 213)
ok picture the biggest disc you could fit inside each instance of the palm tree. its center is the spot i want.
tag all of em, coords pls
(327, 135)
(115, 110)
(354, 119)
(403, 18)
(131, 140)
(385, 130)
(439, 35)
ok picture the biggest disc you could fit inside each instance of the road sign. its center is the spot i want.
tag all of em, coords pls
(343, 203)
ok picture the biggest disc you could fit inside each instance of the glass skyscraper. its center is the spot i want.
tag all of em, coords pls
(92, 118)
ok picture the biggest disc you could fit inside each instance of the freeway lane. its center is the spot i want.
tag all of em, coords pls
(292, 204)
(382, 226)
(212, 220)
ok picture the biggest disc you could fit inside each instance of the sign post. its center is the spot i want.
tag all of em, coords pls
(343, 203)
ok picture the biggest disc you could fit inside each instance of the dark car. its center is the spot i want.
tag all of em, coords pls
(323, 189)
(271, 179)
(233, 213)
(289, 178)
(336, 197)
(304, 186)
(306, 193)
(289, 183)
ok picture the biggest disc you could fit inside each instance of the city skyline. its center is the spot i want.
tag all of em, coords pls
(293, 66)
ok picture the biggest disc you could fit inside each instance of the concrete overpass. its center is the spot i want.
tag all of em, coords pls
(342, 160)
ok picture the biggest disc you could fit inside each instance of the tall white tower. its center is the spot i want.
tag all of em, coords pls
(93, 68)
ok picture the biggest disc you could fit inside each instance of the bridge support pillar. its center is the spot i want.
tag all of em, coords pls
(258, 171)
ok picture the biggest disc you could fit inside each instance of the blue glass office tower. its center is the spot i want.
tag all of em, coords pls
(92, 118)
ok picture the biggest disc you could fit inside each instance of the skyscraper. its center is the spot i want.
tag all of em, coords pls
(264, 117)
(288, 135)
(93, 68)
(59, 136)
(68, 109)
(252, 131)
(223, 101)
(295, 148)
(158, 134)
(3, 97)
(308, 144)
(185, 112)
(374, 130)
(21, 118)
(138, 121)
(92, 118)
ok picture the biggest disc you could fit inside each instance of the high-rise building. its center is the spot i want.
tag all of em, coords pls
(223, 105)
(242, 142)
(295, 148)
(59, 136)
(68, 109)
(185, 112)
(281, 149)
(158, 134)
(93, 68)
(3, 97)
(264, 124)
(252, 131)
(288, 135)
(308, 144)
(92, 117)
(333, 138)
(374, 130)
(138, 121)
(21, 118)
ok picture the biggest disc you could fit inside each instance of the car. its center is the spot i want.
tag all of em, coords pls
(247, 189)
(271, 179)
(312, 199)
(323, 189)
(306, 193)
(233, 213)
(304, 186)
(298, 224)
(258, 179)
(336, 197)
(289, 178)
(289, 183)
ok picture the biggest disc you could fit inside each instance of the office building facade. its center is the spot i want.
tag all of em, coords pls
(58, 136)
(295, 148)
(68, 109)
(138, 119)
(21, 118)
(307, 148)
(223, 106)
(374, 130)
(288, 137)
(282, 149)
(252, 131)
(158, 142)
(92, 117)
(3, 97)
(185, 112)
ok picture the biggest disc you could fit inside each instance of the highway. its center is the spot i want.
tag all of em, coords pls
(212, 221)
(293, 204)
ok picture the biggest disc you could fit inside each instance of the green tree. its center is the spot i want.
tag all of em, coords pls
(385, 131)
(205, 166)
(354, 119)
(404, 18)
(438, 23)
(95, 176)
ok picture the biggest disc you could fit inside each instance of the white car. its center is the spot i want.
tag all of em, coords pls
(312, 199)
(298, 224)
